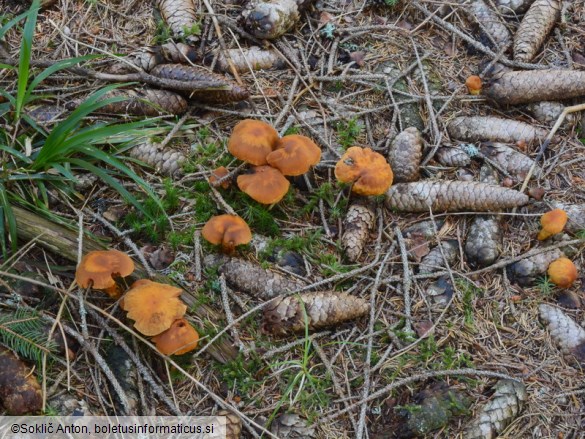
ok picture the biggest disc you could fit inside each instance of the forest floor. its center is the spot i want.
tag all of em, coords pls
(356, 75)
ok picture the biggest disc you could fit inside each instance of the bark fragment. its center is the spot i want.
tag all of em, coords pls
(513, 162)
(357, 225)
(567, 334)
(526, 86)
(166, 161)
(20, 393)
(526, 271)
(270, 19)
(231, 92)
(489, 22)
(506, 403)
(534, 28)
(496, 129)
(180, 16)
(253, 279)
(435, 261)
(405, 155)
(146, 102)
(254, 58)
(452, 196)
(286, 315)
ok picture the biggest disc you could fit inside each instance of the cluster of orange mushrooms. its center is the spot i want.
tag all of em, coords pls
(561, 272)
(156, 308)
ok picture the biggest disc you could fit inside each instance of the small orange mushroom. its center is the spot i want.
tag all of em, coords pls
(227, 230)
(179, 339)
(562, 272)
(368, 170)
(552, 222)
(153, 306)
(98, 269)
(217, 174)
(294, 155)
(252, 140)
(473, 84)
(264, 184)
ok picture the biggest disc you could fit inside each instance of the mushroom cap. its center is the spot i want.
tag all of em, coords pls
(562, 272)
(294, 155)
(252, 140)
(218, 173)
(227, 230)
(98, 268)
(473, 84)
(153, 306)
(179, 339)
(264, 184)
(368, 170)
(552, 222)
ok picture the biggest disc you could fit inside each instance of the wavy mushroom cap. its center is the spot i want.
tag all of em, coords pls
(562, 272)
(252, 140)
(552, 222)
(368, 170)
(294, 155)
(473, 84)
(153, 306)
(98, 269)
(227, 230)
(179, 339)
(264, 184)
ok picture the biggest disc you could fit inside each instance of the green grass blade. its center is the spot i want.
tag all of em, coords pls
(8, 217)
(25, 53)
(10, 24)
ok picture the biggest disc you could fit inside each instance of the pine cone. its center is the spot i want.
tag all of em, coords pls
(285, 315)
(506, 7)
(180, 16)
(357, 225)
(526, 86)
(270, 19)
(514, 162)
(534, 28)
(452, 156)
(405, 154)
(489, 22)
(291, 426)
(253, 279)
(575, 214)
(483, 128)
(526, 271)
(233, 424)
(167, 161)
(548, 112)
(452, 196)
(147, 58)
(568, 335)
(440, 292)
(194, 74)
(147, 102)
(503, 407)
(435, 261)
(253, 58)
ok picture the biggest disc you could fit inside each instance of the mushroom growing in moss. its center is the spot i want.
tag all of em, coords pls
(153, 306)
(562, 272)
(179, 339)
(217, 174)
(98, 269)
(294, 155)
(252, 140)
(227, 230)
(552, 222)
(369, 171)
(264, 184)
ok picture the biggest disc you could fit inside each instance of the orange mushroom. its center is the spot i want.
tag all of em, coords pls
(294, 155)
(552, 222)
(252, 140)
(179, 339)
(264, 184)
(153, 306)
(217, 174)
(98, 269)
(562, 272)
(368, 170)
(473, 84)
(227, 230)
